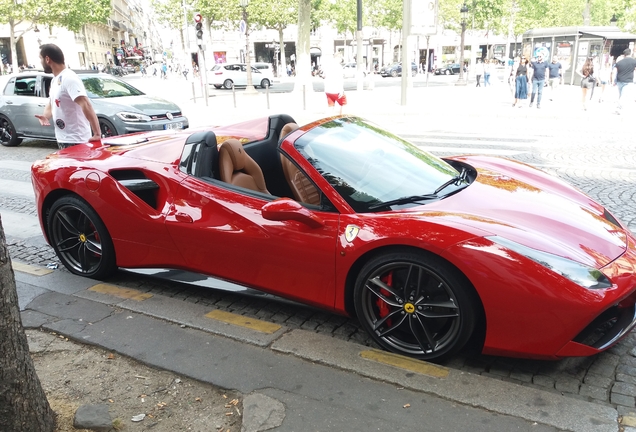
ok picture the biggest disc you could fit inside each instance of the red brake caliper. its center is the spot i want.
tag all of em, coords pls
(384, 308)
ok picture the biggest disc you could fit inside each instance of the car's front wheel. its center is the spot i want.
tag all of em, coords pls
(394, 73)
(8, 135)
(447, 72)
(228, 84)
(416, 304)
(80, 238)
(265, 83)
(106, 128)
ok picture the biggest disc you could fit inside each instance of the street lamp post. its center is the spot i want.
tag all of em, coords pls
(250, 87)
(613, 20)
(464, 13)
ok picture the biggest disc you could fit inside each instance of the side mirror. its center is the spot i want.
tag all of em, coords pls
(285, 209)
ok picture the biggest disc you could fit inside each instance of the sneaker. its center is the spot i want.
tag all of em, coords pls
(530, 104)
(538, 106)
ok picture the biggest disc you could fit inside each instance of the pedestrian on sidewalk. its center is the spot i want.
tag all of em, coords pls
(334, 82)
(587, 81)
(479, 71)
(68, 105)
(623, 76)
(555, 76)
(539, 68)
(487, 69)
(521, 81)
(604, 76)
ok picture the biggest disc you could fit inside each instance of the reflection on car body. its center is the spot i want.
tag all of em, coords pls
(120, 107)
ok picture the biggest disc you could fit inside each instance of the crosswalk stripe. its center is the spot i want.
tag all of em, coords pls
(15, 187)
(15, 165)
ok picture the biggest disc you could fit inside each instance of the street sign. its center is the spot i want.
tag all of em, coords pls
(242, 27)
(424, 17)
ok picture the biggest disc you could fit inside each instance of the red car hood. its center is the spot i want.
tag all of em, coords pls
(528, 206)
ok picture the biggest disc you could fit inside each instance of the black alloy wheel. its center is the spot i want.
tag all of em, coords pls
(8, 136)
(416, 304)
(228, 84)
(107, 129)
(80, 238)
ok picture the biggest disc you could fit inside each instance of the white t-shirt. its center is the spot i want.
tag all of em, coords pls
(334, 78)
(71, 125)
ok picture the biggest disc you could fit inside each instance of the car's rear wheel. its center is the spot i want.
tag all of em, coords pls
(106, 128)
(80, 238)
(416, 304)
(265, 83)
(8, 135)
(228, 84)
(393, 73)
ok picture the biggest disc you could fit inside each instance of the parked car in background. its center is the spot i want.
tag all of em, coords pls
(395, 69)
(227, 75)
(349, 70)
(266, 69)
(449, 69)
(120, 107)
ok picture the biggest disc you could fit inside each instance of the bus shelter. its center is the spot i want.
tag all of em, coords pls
(572, 45)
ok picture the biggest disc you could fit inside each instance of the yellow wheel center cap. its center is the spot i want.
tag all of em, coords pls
(409, 308)
(82, 238)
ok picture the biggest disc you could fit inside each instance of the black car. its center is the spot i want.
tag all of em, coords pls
(395, 69)
(449, 69)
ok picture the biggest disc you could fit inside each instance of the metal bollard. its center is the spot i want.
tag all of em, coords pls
(267, 95)
(234, 94)
(304, 99)
(194, 94)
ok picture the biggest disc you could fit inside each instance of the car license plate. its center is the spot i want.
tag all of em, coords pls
(178, 125)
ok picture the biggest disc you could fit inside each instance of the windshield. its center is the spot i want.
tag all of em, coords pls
(368, 166)
(98, 87)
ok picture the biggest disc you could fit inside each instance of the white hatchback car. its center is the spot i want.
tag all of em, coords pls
(350, 70)
(227, 75)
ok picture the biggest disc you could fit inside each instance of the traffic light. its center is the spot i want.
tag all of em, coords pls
(198, 26)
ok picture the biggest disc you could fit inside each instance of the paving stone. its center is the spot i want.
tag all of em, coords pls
(598, 381)
(543, 381)
(566, 384)
(95, 417)
(499, 370)
(626, 411)
(625, 378)
(594, 392)
(624, 389)
(633, 352)
(620, 399)
(520, 375)
(626, 369)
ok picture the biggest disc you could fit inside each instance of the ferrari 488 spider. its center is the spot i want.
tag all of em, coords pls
(430, 254)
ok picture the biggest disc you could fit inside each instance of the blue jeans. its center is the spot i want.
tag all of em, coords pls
(621, 86)
(486, 79)
(537, 85)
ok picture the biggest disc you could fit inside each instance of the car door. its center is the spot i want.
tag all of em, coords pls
(221, 231)
(22, 104)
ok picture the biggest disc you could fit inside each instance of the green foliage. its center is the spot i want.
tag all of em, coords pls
(170, 13)
(220, 14)
(275, 15)
(74, 14)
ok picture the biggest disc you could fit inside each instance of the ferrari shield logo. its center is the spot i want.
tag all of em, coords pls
(351, 232)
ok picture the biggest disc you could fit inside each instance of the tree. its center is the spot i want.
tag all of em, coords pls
(303, 59)
(72, 14)
(170, 13)
(23, 404)
(275, 15)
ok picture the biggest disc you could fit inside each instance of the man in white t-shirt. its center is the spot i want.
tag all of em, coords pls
(334, 82)
(69, 107)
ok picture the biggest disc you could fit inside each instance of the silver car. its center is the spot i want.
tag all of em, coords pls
(120, 107)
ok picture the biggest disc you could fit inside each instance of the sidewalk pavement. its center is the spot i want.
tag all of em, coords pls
(291, 379)
(444, 105)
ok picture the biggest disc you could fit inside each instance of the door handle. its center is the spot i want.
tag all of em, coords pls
(42, 105)
(9, 102)
(183, 217)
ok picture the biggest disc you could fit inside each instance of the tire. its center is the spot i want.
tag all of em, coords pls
(8, 135)
(447, 72)
(394, 73)
(265, 83)
(416, 304)
(107, 129)
(228, 84)
(80, 238)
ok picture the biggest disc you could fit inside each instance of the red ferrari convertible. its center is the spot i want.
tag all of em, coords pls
(430, 254)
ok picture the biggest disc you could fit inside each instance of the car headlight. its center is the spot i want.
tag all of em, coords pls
(133, 117)
(585, 276)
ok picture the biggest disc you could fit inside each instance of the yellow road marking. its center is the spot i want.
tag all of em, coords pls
(243, 321)
(628, 421)
(125, 293)
(406, 363)
(26, 268)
